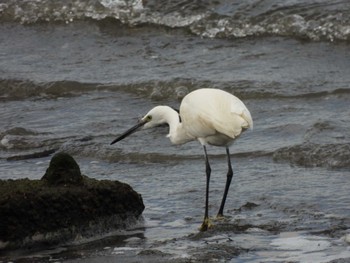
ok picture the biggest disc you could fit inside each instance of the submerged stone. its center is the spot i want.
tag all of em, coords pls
(316, 155)
(63, 206)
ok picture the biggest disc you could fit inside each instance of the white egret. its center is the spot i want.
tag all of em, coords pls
(211, 116)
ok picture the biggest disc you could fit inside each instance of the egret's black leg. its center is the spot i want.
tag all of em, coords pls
(206, 223)
(228, 182)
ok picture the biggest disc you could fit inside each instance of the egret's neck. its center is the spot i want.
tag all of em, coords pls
(177, 134)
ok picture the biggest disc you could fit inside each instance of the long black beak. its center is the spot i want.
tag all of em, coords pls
(129, 132)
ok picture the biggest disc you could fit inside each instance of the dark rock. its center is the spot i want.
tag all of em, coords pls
(53, 210)
(63, 169)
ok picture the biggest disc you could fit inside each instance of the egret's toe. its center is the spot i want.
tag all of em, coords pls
(206, 225)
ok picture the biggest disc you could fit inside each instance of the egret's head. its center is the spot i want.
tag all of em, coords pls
(154, 117)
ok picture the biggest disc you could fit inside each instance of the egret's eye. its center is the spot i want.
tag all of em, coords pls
(148, 118)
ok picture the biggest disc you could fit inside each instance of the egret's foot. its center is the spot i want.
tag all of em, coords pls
(220, 217)
(206, 225)
(223, 218)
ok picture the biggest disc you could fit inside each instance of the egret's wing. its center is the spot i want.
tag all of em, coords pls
(238, 107)
(206, 112)
(230, 124)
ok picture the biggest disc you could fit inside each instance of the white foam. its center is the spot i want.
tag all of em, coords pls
(300, 243)
(176, 223)
(346, 238)
(122, 250)
(6, 143)
(132, 240)
(305, 249)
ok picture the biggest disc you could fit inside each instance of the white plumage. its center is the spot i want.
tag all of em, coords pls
(211, 116)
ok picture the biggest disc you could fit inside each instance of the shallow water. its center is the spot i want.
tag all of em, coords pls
(76, 82)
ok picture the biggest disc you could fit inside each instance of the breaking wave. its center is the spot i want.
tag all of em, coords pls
(322, 20)
(15, 89)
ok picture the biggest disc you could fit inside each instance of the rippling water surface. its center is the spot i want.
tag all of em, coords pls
(75, 74)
